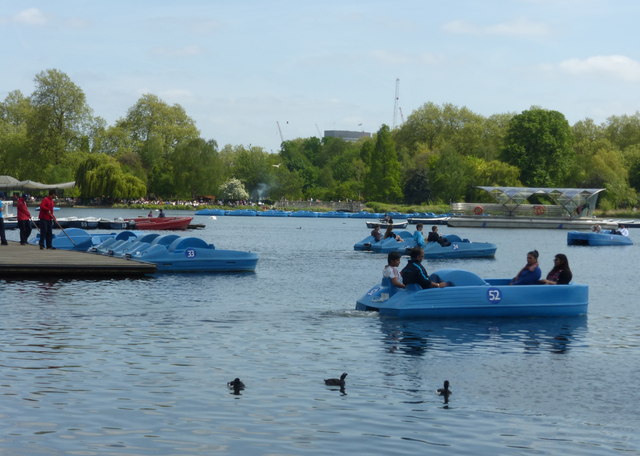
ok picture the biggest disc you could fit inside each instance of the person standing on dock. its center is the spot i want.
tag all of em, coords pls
(3, 239)
(24, 220)
(46, 220)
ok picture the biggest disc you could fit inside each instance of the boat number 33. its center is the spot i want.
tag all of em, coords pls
(190, 253)
(494, 295)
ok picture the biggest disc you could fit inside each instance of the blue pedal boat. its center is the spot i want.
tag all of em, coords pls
(459, 248)
(472, 296)
(79, 240)
(174, 253)
(191, 254)
(604, 237)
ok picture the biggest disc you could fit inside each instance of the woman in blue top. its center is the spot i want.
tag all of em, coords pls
(530, 273)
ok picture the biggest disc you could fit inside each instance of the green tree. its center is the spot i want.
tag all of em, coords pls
(153, 130)
(61, 118)
(383, 182)
(200, 168)
(100, 175)
(539, 142)
(14, 157)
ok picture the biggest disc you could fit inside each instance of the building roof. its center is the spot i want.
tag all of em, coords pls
(569, 198)
(11, 183)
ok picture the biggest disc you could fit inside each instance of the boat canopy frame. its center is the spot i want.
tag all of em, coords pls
(577, 202)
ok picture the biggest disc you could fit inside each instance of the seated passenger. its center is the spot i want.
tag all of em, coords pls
(418, 237)
(390, 234)
(414, 271)
(390, 271)
(623, 230)
(530, 273)
(561, 272)
(375, 232)
(435, 237)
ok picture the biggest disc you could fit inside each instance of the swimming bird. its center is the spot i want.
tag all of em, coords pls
(444, 391)
(236, 384)
(336, 381)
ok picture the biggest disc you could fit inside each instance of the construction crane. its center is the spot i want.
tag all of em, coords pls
(280, 131)
(395, 105)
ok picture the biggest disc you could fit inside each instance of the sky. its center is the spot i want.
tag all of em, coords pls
(241, 68)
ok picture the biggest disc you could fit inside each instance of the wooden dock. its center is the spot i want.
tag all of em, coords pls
(30, 261)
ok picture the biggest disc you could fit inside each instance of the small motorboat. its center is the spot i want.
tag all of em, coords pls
(471, 296)
(85, 223)
(116, 224)
(604, 237)
(384, 225)
(161, 223)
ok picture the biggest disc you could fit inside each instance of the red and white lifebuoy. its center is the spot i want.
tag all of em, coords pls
(478, 210)
(538, 210)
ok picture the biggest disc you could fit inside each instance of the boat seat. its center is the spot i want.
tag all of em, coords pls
(165, 239)
(126, 235)
(459, 277)
(453, 238)
(149, 237)
(386, 282)
(186, 242)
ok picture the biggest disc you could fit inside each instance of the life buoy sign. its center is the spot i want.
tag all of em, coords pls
(478, 210)
(538, 210)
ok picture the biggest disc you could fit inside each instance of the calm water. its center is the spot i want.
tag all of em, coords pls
(139, 367)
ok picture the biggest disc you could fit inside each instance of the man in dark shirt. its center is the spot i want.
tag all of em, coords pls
(435, 237)
(414, 271)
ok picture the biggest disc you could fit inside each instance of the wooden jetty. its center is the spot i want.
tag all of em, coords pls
(30, 261)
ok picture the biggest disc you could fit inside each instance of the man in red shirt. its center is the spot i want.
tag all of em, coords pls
(24, 220)
(46, 220)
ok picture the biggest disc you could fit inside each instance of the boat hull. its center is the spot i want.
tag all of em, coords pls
(385, 225)
(173, 253)
(471, 296)
(525, 222)
(161, 223)
(597, 239)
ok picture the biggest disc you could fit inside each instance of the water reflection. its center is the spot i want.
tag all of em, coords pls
(416, 337)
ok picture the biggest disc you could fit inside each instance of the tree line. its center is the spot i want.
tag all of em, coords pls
(439, 155)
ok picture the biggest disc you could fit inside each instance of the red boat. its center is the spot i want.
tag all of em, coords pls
(161, 223)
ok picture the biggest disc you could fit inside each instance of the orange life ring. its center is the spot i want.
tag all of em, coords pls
(478, 210)
(538, 210)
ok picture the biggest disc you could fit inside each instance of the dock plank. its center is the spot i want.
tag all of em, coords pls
(29, 260)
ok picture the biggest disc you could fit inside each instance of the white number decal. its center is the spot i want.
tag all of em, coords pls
(190, 253)
(494, 295)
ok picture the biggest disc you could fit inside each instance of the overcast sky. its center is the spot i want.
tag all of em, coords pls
(239, 66)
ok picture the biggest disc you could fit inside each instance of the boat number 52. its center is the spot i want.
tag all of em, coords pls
(190, 253)
(494, 295)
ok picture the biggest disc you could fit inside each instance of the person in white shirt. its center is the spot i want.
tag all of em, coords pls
(391, 269)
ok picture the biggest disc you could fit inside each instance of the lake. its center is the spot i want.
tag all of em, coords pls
(140, 366)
